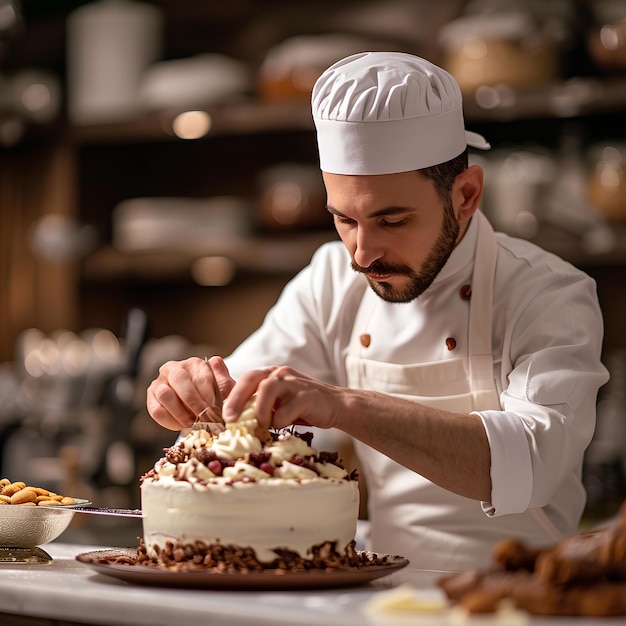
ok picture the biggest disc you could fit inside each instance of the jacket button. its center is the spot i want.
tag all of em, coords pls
(451, 343)
(466, 292)
(365, 340)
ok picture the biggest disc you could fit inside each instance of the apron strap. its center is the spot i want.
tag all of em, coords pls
(481, 303)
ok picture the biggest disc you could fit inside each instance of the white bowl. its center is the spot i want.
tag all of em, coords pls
(31, 526)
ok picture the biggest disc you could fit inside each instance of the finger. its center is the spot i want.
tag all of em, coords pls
(242, 391)
(182, 389)
(167, 412)
(287, 397)
(195, 386)
(225, 382)
(274, 396)
(289, 410)
(269, 397)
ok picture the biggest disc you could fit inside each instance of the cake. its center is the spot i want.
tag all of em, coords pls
(240, 500)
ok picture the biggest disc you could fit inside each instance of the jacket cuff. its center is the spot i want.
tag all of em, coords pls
(511, 466)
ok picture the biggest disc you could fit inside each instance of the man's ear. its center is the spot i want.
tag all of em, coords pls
(467, 192)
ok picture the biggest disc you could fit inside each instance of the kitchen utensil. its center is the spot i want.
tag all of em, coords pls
(110, 45)
(120, 463)
(214, 411)
(100, 510)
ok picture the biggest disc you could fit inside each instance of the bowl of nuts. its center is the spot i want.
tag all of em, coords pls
(32, 516)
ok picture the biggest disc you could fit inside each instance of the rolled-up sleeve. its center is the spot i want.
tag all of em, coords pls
(511, 466)
(551, 374)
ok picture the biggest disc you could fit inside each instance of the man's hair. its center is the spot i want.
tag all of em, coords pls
(444, 174)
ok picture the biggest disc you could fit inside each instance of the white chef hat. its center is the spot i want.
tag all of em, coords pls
(387, 112)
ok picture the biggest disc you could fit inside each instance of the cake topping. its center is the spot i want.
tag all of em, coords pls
(241, 453)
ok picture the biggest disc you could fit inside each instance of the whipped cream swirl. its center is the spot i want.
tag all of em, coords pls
(237, 454)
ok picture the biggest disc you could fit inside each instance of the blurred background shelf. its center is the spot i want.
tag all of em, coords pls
(576, 98)
(256, 255)
(251, 117)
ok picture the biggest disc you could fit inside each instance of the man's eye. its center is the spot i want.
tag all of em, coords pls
(394, 224)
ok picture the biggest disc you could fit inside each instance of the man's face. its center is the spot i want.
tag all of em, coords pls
(396, 228)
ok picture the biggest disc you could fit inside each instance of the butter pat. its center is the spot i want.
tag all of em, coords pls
(407, 599)
(405, 605)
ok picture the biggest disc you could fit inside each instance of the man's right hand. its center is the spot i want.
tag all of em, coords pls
(184, 389)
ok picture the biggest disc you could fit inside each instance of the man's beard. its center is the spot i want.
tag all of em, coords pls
(418, 283)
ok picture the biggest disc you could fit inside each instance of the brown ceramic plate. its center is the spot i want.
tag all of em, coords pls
(99, 560)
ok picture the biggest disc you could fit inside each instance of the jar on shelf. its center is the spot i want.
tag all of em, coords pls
(505, 48)
(290, 69)
(606, 41)
(606, 188)
(292, 196)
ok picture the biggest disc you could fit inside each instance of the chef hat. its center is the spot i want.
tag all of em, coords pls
(387, 112)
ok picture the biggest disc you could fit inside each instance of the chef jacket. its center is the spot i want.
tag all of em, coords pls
(545, 365)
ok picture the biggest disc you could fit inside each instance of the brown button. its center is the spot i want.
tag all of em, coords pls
(365, 340)
(466, 292)
(451, 343)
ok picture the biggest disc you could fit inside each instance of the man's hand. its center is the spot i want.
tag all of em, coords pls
(185, 389)
(284, 396)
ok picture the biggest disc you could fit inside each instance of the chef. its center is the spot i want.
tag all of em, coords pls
(464, 364)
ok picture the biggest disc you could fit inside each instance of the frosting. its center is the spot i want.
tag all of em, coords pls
(236, 444)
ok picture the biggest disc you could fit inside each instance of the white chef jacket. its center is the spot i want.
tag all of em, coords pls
(546, 347)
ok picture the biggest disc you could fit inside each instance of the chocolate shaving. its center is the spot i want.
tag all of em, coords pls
(229, 559)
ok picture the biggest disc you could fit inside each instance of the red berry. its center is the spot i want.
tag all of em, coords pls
(267, 468)
(215, 466)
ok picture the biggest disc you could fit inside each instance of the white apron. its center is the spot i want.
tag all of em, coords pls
(409, 515)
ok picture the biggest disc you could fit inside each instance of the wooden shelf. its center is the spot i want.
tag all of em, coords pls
(269, 255)
(241, 118)
(568, 99)
(572, 98)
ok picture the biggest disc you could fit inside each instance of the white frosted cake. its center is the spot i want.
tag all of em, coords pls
(236, 501)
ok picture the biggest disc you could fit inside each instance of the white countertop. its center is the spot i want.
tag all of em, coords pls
(66, 589)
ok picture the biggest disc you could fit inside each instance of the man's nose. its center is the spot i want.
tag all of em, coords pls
(367, 248)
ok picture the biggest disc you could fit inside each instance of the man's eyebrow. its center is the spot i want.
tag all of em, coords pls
(392, 210)
(333, 210)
